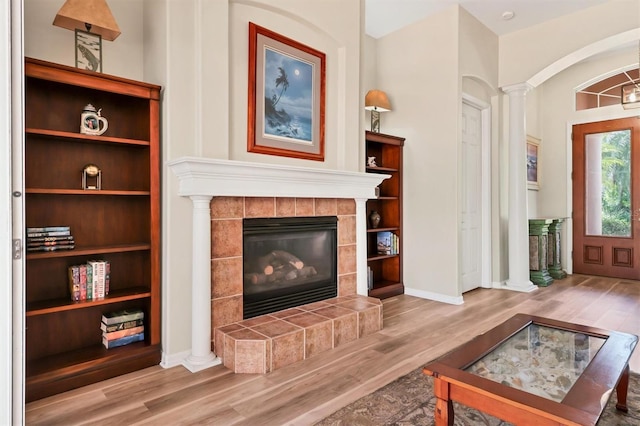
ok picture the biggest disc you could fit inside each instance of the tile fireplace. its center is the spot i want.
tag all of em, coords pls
(223, 193)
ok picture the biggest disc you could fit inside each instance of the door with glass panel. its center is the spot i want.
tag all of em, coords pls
(606, 198)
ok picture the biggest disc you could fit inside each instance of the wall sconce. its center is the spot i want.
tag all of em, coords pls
(92, 21)
(376, 101)
(630, 97)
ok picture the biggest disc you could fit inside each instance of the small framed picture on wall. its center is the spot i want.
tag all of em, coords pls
(88, 51)
(533, 155)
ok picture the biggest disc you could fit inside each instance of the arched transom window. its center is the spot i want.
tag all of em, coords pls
(605, 92)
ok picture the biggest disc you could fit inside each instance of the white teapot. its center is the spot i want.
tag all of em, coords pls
(92, 122)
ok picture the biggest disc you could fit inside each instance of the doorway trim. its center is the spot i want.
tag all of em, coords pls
(485, 224)
(613, 112)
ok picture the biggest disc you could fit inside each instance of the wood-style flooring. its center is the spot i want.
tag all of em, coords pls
(415, 332)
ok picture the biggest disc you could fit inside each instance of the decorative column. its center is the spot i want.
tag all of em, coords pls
(201, 355)
(538, 248)
(518, 220)
(554, 262)
(361, 246)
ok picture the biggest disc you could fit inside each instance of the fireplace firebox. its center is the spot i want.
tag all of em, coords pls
(288, 262)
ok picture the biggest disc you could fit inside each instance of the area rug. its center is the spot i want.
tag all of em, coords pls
(409, 400)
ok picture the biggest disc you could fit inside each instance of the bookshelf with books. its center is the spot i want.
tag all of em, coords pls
(384, 234)
(114, 229)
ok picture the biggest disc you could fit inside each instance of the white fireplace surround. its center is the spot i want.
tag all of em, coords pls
(201, 179)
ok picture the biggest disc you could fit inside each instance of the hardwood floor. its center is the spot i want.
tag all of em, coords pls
(415, 332)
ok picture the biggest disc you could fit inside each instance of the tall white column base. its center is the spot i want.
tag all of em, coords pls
(201, 355)
(518, 210)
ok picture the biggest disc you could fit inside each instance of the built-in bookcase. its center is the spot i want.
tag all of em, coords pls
(119, 222)
(385, 267)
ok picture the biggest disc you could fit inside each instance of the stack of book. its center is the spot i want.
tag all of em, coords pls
(89, 281)
(387, 243)
(122, 327)
(49, 238)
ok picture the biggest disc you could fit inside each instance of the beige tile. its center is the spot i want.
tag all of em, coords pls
(345, 323)
(326, 207)
(287, 349)
(369, 321)
(226, 277)
(287, 342)
(346, 259)
(347, 284)
(287, 313)
(346, 206)
(304, 207)
(262, 319)
(345, 329)
(318, 338)
(227, 207)
(219, 336)
(259, 207)
(250, 350)
(285, 207)
(226, 238)
(318, 332)
(346, 230)
(225, 311)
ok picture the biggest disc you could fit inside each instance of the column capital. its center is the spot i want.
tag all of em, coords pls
(518, 88)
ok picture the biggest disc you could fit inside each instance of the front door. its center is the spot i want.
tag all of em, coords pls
(606, 198)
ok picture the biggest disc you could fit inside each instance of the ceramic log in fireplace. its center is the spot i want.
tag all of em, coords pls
(288, 262)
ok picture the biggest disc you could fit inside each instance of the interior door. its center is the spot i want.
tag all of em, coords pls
(471, 198)
(606, 199)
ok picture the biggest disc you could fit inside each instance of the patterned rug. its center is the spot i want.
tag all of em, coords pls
(409, 400)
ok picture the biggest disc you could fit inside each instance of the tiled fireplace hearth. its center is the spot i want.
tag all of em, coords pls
(224, 192)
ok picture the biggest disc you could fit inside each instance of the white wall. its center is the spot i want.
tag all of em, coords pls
(423, 88)
(526, 52)
(558, 115)
(122, 57)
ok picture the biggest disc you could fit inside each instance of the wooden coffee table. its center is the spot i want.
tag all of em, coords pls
(533, 370)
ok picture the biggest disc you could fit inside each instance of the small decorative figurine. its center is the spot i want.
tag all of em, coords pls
(371, 162)
(92, 122)
(374, 219)
(91, 177)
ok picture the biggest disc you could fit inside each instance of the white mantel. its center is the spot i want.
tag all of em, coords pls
(201, 179)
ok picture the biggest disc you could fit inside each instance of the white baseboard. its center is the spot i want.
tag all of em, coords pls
(173, 360)
(457, 300)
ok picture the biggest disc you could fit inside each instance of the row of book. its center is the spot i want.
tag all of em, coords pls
(121, 328)
(49, 238)
(369, 278)
(89, 281)
(387, 243)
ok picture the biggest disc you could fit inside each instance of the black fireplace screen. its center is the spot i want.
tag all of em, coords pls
(288, 262)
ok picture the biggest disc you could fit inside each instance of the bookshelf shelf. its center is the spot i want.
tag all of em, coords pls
(119, 223)
(79, 137)
(88, 192)
(87, 251)
(59, 305)
(385, 269)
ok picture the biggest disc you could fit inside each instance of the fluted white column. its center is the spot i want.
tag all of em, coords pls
(361, 246)
(201, 355)
(518, 215)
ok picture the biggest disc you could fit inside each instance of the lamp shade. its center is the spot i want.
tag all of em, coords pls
(88, 14)
(376, 100)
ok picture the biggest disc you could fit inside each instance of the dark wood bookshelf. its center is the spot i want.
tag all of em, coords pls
(387, 268)
(119, 222)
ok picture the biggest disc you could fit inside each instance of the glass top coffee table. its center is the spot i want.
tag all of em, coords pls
(533, 370)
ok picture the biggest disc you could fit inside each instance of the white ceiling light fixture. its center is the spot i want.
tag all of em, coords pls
(508, 15)
(630, 97)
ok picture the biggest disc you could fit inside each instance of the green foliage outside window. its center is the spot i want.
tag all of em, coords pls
(616, 184)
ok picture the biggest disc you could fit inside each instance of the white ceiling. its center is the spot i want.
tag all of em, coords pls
(385, 16)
